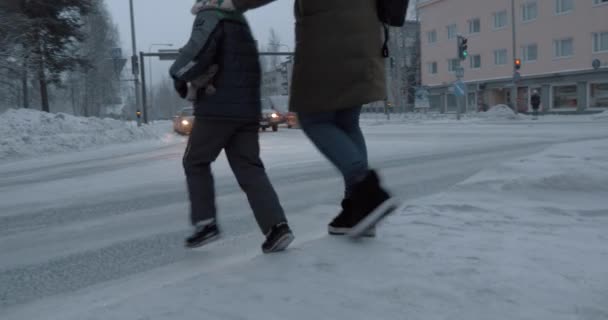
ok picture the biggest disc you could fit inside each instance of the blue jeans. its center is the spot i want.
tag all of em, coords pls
(338, 137)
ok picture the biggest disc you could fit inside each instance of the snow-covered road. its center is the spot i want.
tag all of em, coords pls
(80, 228)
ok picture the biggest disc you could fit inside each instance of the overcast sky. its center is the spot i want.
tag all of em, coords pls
(170, 21)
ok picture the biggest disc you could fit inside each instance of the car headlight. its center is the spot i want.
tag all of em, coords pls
(185, 122)
(274, 115)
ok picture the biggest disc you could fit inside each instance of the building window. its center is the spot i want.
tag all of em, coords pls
(564, 97)
(500, 19)
(432, 36)
(529, 11)
(600, 42)
(599, 95)
(530, 52)
(563, 6)
(474, 26)
(453, 64)
(500, 57)
(563, 48)
(452, 31)
(475, 61)
(597, 2)
(432, 67)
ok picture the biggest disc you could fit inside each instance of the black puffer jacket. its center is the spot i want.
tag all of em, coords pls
(224, 39)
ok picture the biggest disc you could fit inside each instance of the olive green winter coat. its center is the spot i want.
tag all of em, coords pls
(338, 62)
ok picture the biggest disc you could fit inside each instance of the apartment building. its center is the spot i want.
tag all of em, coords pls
(562, 44)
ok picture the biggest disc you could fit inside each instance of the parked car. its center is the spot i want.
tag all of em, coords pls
(183, 121)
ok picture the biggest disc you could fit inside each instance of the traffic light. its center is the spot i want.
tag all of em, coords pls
(463, 48)
(138, 114)
(517, 64)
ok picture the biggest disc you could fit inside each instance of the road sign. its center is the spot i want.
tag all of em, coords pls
(116, 53)
(460, 88)
(119, 64)
(168, 54)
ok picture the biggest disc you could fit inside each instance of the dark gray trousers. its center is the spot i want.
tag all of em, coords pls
(240, 141)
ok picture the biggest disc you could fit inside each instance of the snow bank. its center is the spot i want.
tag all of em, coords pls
(500, 112)
(495, 113)
(524, 240)
(28, 133)
(601, 116)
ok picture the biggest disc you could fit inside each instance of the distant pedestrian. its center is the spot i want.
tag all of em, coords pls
(226, 118)
(535, 101)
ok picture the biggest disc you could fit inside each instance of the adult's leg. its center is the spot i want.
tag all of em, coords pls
(348, 121)
(336, 144)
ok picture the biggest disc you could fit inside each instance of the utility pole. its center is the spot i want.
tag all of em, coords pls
(135, 62)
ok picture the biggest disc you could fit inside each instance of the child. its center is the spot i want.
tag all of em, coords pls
(226, 120)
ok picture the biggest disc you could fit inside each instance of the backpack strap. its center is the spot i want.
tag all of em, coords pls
(385, 51)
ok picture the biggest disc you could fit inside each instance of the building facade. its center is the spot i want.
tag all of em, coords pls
(277, 82)
(562, 44)
(402, 69)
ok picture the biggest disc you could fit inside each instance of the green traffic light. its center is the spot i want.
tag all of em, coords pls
(465, 54)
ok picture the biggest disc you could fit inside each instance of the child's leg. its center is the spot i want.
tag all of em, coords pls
(243, 152)
(206, 142)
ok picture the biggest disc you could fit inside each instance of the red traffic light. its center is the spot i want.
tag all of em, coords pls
(517, 64)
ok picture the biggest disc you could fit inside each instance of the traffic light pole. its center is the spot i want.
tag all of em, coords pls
(459, 86)
(459, 98)
(514, 37)
(144, 96)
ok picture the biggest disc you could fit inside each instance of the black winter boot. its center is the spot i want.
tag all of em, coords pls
(370, 204)
(278, 238)
(203, 234)
(344, 222)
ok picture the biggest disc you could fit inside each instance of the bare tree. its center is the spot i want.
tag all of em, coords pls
(101, 84)
(14, 85)
(165, 100)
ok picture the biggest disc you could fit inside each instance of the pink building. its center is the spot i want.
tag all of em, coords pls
(563, 46)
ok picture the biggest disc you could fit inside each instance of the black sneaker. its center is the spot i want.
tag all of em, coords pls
(371, 204)
(278, 238)
(203, 234)
(343, 222)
